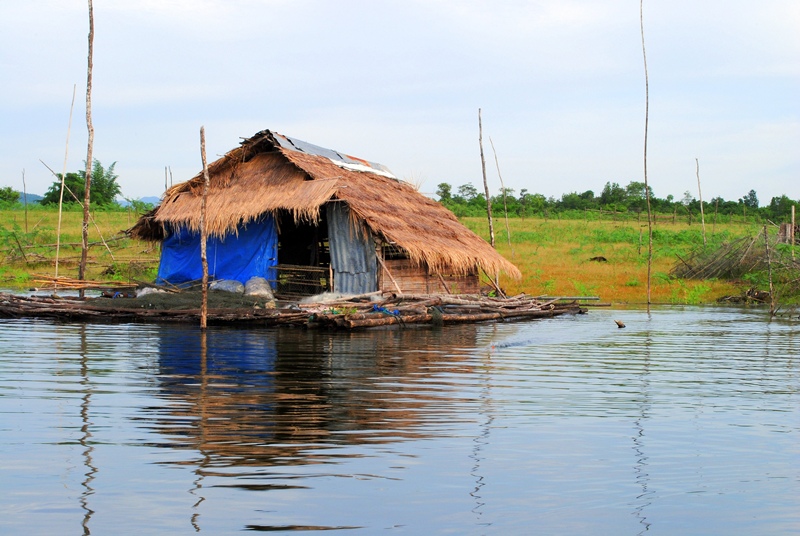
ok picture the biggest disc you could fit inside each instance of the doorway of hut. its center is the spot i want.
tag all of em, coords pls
(304, 260)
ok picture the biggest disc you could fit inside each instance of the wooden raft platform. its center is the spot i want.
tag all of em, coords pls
(347, 313)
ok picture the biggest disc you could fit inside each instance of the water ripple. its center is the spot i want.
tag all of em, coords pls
(686, 418)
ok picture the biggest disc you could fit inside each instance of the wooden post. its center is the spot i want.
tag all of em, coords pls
(700, 194)
(203, 233)
(640, 242)
(714, 225)
(399, 290)
(496, 284)
(646, 187)
(793, 232)
(89, 157)
(485, 184)
(444, 284)
(25, 201)
(769, 272)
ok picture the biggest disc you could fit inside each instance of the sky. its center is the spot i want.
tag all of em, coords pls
(560, 85)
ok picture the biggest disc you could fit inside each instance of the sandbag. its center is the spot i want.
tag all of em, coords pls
(258, 287)
(227, 285)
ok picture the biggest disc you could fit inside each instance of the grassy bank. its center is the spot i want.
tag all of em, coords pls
(28, 247)
(553, 255)
(555, 258)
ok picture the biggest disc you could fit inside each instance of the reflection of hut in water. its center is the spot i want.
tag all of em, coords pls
(262, 397)
(311, 219)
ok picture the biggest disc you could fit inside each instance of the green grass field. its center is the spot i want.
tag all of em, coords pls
(553, 255)
(28, 247)
(554, 258)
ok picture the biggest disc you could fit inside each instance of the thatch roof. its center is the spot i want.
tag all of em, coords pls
(270, 172)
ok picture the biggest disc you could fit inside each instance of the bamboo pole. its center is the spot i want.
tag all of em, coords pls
(89, 156)
(769, 272)
(505, 204)
(391, 277)
(793, 229)
(700, 195)
(646, 187)
(714, 225)
(25, 201)
(444, 284)
(75, 197)
(485, 183)
(203, 233)
(63, 177)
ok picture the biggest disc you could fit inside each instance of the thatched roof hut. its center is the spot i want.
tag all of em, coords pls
(308, 192)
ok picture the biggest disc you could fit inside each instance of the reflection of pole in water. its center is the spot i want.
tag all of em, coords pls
(198, 482)
(482, 440)
(641, 476)
(86, 435)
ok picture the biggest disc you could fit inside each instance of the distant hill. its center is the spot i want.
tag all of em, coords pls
(31, 198)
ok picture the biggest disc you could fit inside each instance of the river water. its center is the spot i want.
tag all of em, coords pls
(685, 422)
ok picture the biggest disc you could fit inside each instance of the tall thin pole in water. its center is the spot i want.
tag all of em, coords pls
(203, 234)
(700, 193)
(485, 183)
(89, 157)
(646, 187)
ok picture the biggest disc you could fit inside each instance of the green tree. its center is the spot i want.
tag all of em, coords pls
(445, 192)
(636, 196)
(73, 182)
(530, 204)
(572, 201)
(8, 195)
(468, 192)
(780, 208)
(613, 195)
(505, 202)
(750, 200)
(104, 187)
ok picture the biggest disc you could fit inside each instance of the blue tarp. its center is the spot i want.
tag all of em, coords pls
(254, 252)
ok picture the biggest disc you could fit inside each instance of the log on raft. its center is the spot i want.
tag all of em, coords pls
(356, 320)
(402, 311)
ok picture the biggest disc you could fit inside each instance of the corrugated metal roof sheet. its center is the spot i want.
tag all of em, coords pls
(353, 260)
(340, 159)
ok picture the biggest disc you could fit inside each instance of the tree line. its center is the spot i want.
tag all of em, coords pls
(468, 201)
(103, 193)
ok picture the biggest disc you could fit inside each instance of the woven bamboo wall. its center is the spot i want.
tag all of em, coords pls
(416, 280)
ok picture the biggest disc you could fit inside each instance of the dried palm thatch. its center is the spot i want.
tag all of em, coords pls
(270, 172)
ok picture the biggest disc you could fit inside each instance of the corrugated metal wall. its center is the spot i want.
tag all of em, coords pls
(355, 267)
